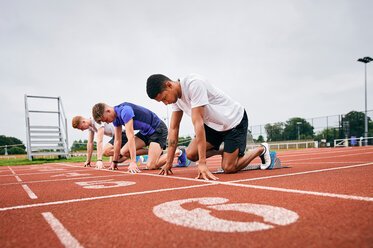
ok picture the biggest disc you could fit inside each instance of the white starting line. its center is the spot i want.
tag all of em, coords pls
(24, 186)
(62, 233)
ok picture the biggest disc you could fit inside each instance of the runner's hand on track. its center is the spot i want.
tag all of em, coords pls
(205, 173)
(132, 168)
(87, 164)
(100, 165)
(166, 170)
(113, 166)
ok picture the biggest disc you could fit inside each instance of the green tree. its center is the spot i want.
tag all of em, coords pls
(4, 140)
(79, 145)
(330, 134)
(260, 139)
(291, 129)
(275, 132)
(16, 150)
(356, 124)
(183, 141)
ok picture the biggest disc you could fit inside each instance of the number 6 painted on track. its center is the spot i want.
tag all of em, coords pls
(201, 219)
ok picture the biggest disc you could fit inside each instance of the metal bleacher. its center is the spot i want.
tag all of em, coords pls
(46, 129)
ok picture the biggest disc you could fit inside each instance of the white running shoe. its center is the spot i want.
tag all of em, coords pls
(265, 157)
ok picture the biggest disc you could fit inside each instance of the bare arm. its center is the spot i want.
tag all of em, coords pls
(197, 119)
(100, 137)
(91, 136)
(117, 143)
(131, 140)
(173, 138)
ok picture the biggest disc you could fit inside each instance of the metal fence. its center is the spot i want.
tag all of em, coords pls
(332, 123)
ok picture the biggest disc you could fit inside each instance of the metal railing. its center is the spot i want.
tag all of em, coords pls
(353, 142)
(46, 139)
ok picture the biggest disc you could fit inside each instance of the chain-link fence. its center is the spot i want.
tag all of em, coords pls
(328, 128)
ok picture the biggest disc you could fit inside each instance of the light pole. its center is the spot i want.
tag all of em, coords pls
(366, 60)
(298, 123)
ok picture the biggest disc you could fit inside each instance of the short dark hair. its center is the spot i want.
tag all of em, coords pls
(156, 84)
(98, 112)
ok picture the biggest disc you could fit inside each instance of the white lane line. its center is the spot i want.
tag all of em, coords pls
(303, 172)
(63, 179)
(62, 233)
(41, 173)
(29, 192)
(99, 197)
(330, 162)
(150, 174)
(349, 197)
(315, 158)
(24, 186)
(309, 153)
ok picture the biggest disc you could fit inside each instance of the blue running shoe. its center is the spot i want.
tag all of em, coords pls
(182, 159)
(139, 160)
(272, 156)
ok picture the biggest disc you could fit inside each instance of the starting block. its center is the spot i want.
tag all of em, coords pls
(275, 165)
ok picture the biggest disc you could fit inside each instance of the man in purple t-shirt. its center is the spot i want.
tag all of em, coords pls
(152, 132)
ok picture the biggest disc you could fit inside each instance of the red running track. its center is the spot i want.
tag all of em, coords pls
(325, 199)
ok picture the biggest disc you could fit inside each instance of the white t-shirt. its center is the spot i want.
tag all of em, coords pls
(108, 128)
(222, 113)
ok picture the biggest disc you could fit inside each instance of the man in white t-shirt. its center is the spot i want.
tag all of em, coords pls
(102, 129)
(216, 118)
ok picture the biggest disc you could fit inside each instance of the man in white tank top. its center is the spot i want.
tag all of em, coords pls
(216, 118)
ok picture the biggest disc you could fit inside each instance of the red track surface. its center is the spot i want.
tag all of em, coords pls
(324, 200)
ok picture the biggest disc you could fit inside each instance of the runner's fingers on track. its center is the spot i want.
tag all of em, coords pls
(206, 176)
(134, 170)
(113, 168)
(169, 172)
(162, 172)
(211, 176)
(165, 171)
(100, 167)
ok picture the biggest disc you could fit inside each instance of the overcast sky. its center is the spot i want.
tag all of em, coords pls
(279, 59)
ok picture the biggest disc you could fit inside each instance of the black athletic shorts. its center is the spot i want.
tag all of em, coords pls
(233, 138)
(124, 139)
(159, 136)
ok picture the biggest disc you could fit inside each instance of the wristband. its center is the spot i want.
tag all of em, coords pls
(115, 161)
(99, 159)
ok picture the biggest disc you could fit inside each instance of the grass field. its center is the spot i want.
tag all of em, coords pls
(8, 162)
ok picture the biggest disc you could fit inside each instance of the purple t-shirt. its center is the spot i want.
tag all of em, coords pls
(144, 120)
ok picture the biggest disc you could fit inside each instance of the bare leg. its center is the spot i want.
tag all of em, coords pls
(108, 150)
(232, 163)
(163, 159)
(192, 151)
(140, 150)
(155, 151)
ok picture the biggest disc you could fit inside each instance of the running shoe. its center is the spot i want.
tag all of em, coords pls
(139, 160)
(266, 158)
(182, 159)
